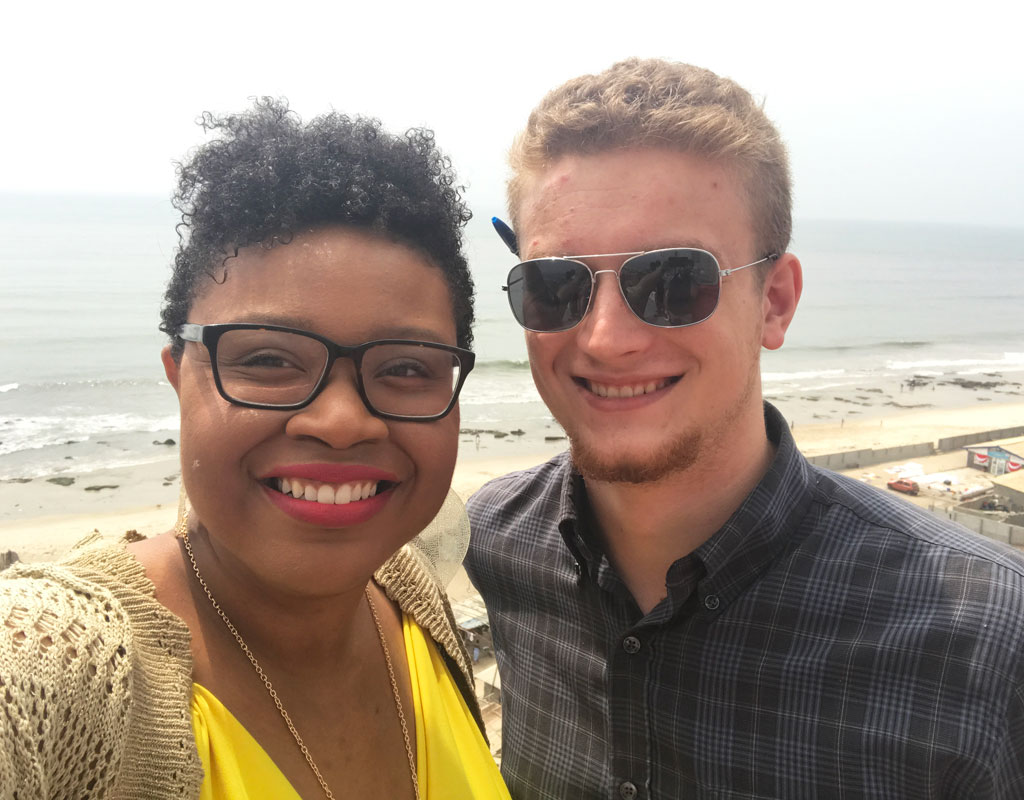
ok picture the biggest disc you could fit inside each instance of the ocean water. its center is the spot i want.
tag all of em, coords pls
(892, 316)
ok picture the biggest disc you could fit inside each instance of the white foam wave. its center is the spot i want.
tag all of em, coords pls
(790, 377)
(9, 387)
(33, 433)
(498, 396)
(1009, 361)
(86, 465)
(499, 387)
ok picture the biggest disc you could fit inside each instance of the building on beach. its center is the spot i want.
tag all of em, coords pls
(998, 457)
(1009, 493)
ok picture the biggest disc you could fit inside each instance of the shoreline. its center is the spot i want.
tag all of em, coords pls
(42, 517)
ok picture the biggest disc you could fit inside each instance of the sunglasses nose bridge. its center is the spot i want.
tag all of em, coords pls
(595, 285)
(597, 306)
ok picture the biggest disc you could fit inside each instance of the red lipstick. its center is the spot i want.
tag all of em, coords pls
(327, 514)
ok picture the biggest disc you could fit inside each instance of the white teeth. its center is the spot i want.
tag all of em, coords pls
(605, 390)
(326, 493)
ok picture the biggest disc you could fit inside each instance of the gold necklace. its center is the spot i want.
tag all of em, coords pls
(183, 531)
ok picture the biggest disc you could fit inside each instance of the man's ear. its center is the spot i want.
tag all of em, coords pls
(781, 294)
(172, 369)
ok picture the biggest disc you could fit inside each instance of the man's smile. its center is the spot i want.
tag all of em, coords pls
(626, 390)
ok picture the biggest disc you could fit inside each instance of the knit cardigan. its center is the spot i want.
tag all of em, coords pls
(96, 675)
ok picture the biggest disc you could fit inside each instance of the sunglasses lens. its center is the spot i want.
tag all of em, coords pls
(671, 288)
(549, 294)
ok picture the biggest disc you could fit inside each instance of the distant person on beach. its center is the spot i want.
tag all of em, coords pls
(284, 640)
(682, 606)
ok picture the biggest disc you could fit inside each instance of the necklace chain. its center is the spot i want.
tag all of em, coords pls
(183, 530)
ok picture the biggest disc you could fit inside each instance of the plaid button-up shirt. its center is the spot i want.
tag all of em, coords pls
(830, 641)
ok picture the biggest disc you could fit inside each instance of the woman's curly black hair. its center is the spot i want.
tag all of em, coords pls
(268, 176)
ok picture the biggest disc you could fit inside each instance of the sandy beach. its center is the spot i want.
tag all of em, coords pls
(41, 518)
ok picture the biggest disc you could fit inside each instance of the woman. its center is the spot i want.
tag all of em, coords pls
(276, 645)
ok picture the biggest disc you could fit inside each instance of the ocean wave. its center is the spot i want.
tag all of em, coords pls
(895, 344)
(789, 377)
(87, 383)
(497, 398)
(501, 364)
(1010, 361)
(83, 466)
(34, 433)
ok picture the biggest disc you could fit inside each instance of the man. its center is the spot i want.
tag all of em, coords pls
(681, 605)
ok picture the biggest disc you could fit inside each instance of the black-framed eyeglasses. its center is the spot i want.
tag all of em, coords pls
(273, 367)
(670, 288)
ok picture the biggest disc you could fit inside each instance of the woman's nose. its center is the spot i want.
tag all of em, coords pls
(338, 416)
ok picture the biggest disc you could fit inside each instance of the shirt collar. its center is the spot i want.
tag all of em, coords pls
(763, 524)
(572, 496)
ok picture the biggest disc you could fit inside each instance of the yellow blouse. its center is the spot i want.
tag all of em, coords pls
(452, 759)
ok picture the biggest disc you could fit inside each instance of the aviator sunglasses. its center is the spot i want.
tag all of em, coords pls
(669, 288)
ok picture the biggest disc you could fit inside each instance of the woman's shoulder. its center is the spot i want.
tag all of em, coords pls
(68, 623)
(73, 634)
(64, 645)
(94, 578)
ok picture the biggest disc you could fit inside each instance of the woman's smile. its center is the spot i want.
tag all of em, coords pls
(330, 494)
(325, 492)
(327, 513)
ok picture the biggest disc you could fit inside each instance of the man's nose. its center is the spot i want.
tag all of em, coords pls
(610, 328)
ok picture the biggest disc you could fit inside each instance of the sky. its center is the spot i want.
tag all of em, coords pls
(901, 111)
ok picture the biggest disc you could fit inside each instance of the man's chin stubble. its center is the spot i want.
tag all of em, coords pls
(670, 459)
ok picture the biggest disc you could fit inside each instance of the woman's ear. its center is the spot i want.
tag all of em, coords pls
(172, 368)
(781, 294)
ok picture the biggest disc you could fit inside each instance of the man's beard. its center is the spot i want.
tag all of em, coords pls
(671, 458)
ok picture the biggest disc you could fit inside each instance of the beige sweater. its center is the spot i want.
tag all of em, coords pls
(96, 676)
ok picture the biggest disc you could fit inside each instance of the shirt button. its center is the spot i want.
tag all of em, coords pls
(627, 790)
(631, 645)
(711, 602)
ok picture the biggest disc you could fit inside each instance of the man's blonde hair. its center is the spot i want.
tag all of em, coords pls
(657, 103)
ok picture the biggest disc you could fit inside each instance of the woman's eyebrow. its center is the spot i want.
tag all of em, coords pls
(381, 331)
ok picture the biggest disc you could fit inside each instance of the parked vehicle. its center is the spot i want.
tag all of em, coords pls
(904, 485)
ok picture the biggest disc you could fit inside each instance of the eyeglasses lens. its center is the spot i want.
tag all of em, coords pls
(410, 380)
(667, 288)
(269, 367)
(284, 368)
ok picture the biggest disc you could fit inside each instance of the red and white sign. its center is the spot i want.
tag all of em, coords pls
(981, 459)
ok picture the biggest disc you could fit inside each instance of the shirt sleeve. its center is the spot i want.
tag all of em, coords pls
(1008, 761)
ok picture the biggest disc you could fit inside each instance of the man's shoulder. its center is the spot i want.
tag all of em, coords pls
(854, 511)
